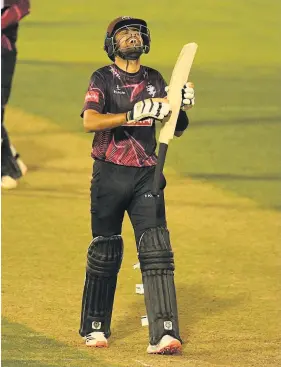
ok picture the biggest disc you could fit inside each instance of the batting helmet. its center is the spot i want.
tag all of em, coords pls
(110, 45)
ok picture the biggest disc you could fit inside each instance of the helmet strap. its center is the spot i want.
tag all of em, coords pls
(130, 54)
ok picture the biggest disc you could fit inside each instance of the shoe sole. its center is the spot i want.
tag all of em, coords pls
(98, 345)
(9, 184)
(173, 348)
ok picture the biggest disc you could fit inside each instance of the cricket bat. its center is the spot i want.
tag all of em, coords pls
(178, 79)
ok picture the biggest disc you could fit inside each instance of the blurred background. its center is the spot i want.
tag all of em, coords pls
(223, 194)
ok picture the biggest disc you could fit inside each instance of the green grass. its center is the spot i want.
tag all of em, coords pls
(234, 135)
(23, 347)
(235, 128)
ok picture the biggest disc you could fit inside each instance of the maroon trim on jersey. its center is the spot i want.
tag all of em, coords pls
(136, 89)
(112, 90)
(126, 152)
(100, 144)
(6, 43)
(15, 12)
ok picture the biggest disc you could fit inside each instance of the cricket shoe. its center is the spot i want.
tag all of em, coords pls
(8, 183)
(96, 339)
(167, 345)
(20, 163)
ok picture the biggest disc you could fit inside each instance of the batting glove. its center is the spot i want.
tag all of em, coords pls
(188, 98)
(149, 108)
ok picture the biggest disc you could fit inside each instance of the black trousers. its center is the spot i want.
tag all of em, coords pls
(116, 189)
(8, 63)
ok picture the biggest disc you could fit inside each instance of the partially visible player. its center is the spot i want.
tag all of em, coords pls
(122, 104)
(12, 11)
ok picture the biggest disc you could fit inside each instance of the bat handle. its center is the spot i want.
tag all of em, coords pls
(159, 168)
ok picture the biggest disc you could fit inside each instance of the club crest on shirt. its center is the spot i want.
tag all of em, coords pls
(151, 90)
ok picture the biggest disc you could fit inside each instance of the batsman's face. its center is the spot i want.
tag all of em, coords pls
(128, 37)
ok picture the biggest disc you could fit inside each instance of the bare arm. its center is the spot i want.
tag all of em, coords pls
(94, 121)
(156, 108)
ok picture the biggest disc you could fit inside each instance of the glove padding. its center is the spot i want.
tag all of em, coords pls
(188, 98)
(149, 108)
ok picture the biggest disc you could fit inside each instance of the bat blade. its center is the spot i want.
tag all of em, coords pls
(178, 79)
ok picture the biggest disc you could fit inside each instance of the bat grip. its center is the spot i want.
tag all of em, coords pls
(159, 168)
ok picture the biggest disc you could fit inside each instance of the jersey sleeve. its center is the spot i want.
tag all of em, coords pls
(95, 96)
(161, 93)
(15, 13)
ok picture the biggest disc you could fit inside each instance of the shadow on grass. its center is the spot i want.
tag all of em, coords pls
(20, 363)
(194, 304)
(130, 322)
(233, 177)
(22, 346)
(238, 121)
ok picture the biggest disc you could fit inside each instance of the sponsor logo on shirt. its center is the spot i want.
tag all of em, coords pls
(146, 122)
(92, 96)
(118, 90)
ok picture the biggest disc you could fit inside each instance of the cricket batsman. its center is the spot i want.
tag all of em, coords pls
(122, 104)
(12, 11)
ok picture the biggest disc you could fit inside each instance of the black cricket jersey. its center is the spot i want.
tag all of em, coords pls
(12, 11)
(112, 90)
